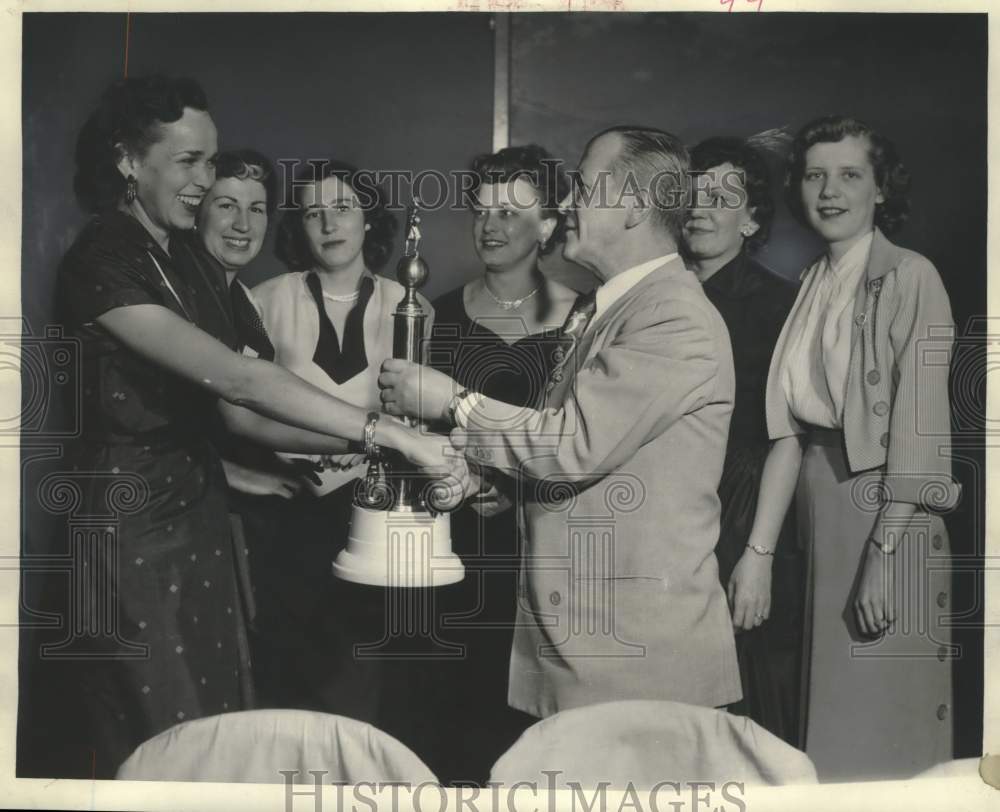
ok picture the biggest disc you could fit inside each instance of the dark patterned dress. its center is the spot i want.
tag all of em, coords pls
(476, 725)
(165, 563)
(754, 303)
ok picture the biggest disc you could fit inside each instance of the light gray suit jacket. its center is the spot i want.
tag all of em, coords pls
(619, 590)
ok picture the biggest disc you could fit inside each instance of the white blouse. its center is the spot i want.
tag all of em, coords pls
(813, 369)
(291, 319)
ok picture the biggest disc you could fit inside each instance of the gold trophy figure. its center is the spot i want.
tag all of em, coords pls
(396, 537)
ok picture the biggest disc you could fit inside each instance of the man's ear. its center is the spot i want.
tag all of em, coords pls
(639, 207)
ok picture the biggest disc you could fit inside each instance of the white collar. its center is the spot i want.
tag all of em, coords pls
(617, 286)
(856, 255)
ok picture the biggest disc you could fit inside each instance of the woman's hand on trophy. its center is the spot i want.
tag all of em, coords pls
(413, 390)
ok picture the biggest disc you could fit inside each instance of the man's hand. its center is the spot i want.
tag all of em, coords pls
(435, 457)
(412, 390)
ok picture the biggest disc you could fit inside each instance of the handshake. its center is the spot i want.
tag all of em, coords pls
(422, 393)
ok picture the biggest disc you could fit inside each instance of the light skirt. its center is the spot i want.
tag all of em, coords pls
(871, 708)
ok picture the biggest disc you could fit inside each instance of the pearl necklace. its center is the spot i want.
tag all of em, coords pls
(350, 297)
(508, 304)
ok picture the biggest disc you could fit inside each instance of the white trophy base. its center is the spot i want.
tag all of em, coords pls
(399, 549)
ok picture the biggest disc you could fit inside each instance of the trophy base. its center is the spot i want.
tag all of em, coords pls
(399, 549)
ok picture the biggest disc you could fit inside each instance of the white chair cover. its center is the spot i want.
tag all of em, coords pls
(647, 742)
(253, 746)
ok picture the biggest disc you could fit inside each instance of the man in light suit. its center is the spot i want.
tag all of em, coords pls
(618, 471)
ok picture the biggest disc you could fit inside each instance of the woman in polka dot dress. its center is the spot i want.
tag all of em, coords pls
(162, 605)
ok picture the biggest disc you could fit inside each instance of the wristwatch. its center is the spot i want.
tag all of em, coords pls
(885, 549)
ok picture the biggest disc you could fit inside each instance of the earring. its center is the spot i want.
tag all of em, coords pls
(541, 244)
(368, 226)
(746, 231)
(131, 188)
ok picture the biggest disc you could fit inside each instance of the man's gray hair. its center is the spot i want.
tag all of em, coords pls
(657, 161)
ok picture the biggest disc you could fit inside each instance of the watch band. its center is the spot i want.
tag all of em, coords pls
(882, 547)
(453, 404)
(760, 549)
(372, 450)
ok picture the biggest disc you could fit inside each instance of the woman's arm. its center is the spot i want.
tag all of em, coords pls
(276, 435)
(777, 486)
(178, 346)
(259, 483)
(749, 587)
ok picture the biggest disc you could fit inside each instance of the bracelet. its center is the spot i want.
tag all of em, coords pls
(760, 550)
(453, 405)
(885, 549)
(372, 451)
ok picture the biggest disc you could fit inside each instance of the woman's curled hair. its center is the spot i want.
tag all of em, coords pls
(248, 164)
(127, 117)
(535, 165)
(891, 176)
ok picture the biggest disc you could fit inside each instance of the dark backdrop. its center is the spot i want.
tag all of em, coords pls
(414, 91)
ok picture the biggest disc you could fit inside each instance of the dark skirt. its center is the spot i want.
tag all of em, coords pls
(154, 632)
(770, 655)
(312, 634)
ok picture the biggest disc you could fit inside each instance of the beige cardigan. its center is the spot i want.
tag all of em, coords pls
(896, 409)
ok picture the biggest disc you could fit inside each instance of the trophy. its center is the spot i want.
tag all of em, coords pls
(396, 537)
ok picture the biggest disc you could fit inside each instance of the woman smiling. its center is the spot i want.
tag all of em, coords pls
(156, 362)
(867, 340)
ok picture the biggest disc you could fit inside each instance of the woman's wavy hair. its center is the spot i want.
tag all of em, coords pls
(756, 178)
(292, 246)
(891, 176)
(128, 117)
(248, 164)
(537, 166)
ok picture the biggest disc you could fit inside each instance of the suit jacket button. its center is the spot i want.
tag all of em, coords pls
(555, 598)
(942, 654)
(936, 542)
(873, 377)
(942, 712)
(942, 599)
(881, 408)
(557, 376)
(558, 356)
(884, 440)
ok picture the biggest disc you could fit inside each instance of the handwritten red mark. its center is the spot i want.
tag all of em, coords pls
(128, 32)
(729, 3)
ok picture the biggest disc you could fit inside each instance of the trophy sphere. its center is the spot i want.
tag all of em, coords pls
(412, 272)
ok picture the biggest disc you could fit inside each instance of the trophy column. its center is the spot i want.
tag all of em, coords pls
(396, 538)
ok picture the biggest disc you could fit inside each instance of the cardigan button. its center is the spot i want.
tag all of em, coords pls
(881, 408)
(873, 377)
(860, 319)
(884, 440)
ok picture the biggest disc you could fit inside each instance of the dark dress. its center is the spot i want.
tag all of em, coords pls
(754, 303)
(163, 639)
(476, 724)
